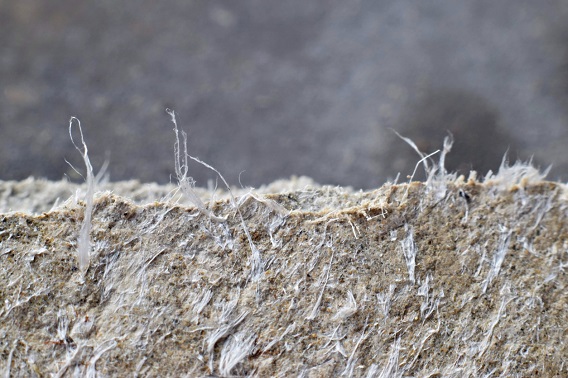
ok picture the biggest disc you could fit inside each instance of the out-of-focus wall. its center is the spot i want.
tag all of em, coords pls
(276, 88)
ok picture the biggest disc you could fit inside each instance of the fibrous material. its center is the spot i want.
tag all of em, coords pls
(451, 277)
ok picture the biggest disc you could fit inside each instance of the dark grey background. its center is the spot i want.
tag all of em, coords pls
(282, 87)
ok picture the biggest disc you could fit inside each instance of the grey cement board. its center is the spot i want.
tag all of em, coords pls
(452, 277)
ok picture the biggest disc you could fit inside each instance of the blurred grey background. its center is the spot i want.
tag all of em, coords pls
(280, 88)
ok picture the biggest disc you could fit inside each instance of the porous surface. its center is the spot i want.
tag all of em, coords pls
(449, 278)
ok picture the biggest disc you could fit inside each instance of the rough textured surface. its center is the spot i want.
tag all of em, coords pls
(450, 277)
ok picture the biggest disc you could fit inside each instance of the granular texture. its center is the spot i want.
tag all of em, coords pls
(448, 278)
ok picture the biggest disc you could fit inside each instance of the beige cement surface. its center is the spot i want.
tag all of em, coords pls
(449, 278)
